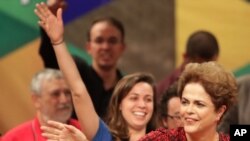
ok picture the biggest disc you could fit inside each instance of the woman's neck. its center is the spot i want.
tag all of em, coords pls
(135, 135)
(206, 136)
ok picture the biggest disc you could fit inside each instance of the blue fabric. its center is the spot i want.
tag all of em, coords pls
(103, 133)
(77, 8)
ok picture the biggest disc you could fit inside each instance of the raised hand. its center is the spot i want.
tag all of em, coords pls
(62, 132)
(53, 25)
(53, 5)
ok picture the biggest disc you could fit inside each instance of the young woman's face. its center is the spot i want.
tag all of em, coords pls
(137, 107)
(197, 110)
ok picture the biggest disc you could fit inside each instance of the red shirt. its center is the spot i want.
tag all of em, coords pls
(178, 134)
(30, 131)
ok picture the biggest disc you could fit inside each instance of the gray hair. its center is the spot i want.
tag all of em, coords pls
(45, 74)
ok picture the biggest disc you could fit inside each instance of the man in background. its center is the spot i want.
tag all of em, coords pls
(105, 44)
(52, 100)
(201, 46)
(169, 108)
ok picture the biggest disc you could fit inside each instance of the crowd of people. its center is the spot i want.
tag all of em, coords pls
(76, 101)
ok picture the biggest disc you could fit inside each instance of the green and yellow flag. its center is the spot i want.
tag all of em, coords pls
(19, 60)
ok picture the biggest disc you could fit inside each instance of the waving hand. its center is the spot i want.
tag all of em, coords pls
(53, 25)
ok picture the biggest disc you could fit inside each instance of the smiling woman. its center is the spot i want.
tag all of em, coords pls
(203, 88)
(132, 107)
(131, 113)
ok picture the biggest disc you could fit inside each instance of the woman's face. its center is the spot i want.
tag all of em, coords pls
(173, 120)
(137, 107)
(197, 110)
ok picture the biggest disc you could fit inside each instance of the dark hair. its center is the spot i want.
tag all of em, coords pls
(217, 82)
(202, 45)
(167, 95)
(117, 124)
(113, 21)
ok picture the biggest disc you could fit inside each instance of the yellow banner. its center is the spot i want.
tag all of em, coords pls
(16, 71)
(227, 19)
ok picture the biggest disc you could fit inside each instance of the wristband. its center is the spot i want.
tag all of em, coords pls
(57, 43)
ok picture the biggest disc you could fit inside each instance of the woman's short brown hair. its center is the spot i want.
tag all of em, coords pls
(217, 82)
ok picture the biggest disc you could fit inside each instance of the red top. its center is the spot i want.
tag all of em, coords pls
(178, 134)
(30, 131)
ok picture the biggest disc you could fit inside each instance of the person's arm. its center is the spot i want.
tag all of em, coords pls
(46, 50)
(53, 25)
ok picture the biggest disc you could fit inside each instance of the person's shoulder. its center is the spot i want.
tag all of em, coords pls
(168, 79)
(243, 80)
(80, 61)
(75, 123)
(163, 134)
(120, 74)
(224, 137)
(21, 127)
(18, 131)
(156, 135)
(103, 133)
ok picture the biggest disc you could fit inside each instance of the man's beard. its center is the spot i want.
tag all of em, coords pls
(62, 117)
